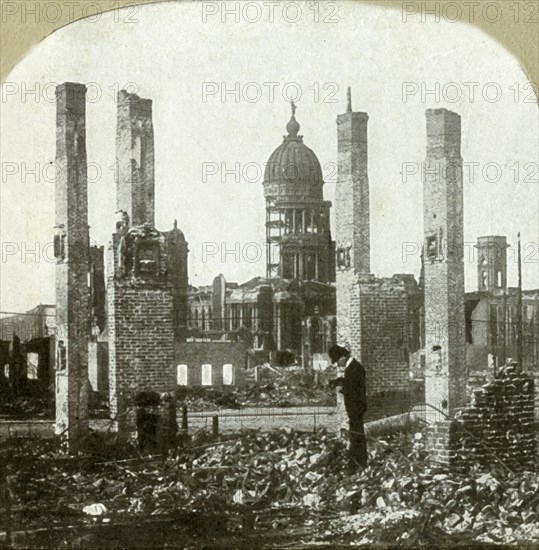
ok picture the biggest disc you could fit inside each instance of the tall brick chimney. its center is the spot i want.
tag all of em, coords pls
(135, 183)
(445, 375)
(351, 211)
(72, 264)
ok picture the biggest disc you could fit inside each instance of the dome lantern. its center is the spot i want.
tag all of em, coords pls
(293, 126)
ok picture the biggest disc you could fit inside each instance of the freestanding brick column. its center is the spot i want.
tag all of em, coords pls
(147, 274)
(445, 375)
(72, 257)
(135, 185)
(352, 212)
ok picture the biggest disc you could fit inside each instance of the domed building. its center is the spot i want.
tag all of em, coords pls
(292, 308)
(298, 237)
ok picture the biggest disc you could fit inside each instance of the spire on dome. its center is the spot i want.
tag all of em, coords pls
(349, 100)
(292, 127)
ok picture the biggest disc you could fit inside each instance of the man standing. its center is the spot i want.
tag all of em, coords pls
(355, 402)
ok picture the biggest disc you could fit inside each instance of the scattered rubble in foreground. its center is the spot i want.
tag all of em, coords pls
(284, 481)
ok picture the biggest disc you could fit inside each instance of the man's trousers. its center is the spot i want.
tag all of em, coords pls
(358, 442)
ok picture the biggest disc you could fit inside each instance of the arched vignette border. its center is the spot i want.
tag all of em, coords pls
(519, 37)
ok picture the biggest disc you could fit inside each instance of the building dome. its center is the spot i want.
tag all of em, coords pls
(293, 161)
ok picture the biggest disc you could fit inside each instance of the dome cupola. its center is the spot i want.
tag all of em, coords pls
(293, 162)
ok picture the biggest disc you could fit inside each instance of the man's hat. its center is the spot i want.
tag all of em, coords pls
(336, 352)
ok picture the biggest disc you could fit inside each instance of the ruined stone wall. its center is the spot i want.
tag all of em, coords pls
(141, 344)
(216, 354)
(497, 426)
(379, 320)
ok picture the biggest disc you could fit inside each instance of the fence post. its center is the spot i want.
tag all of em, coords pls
(6, 499)
(185, 425)
(215, 425)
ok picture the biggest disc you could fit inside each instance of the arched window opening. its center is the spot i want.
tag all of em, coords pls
(228, 374)
(182, 375)
(206, 375)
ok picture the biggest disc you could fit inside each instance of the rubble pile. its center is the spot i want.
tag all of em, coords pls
(286, 391)
(25, 407)
(43, 407)
(397, 499)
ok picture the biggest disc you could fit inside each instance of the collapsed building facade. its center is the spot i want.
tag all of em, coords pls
(27, 347)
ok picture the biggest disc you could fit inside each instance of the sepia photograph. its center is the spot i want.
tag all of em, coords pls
(270, 274)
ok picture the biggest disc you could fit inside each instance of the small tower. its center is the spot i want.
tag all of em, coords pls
(492, 263)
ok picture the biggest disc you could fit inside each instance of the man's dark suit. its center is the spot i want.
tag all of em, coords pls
(355, 401)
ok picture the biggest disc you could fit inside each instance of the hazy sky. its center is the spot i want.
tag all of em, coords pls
(169, 54)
